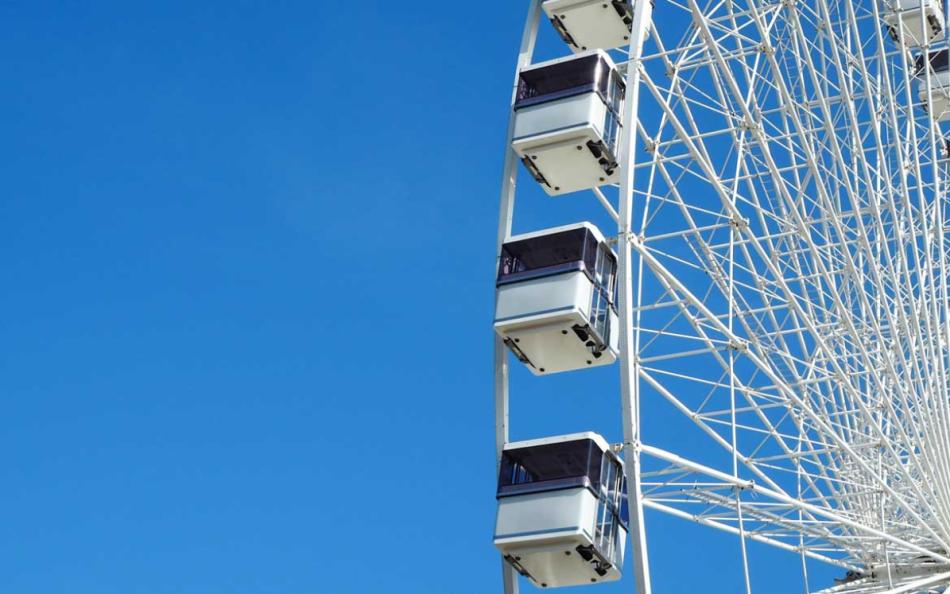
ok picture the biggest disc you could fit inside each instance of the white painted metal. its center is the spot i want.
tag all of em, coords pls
(506, 210)
(541, 531)
(794, 302)
(528, 443)
(590, 24)
(783, 285)
(541, 232)
(534, 125)
(539, 315)
(629, 342)
(548, 339)
(555, 134)
(920, 22)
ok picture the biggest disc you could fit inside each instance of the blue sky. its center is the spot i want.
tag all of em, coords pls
(248, 262)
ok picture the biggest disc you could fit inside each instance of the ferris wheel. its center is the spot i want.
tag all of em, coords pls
(777, 275)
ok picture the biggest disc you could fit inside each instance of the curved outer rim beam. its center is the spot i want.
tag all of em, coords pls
(629, 344)
(629, 382)
(506, 212)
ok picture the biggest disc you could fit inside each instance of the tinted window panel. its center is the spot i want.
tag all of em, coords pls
(939, 62)
(543, 252)
(558, 77)
(551, 462)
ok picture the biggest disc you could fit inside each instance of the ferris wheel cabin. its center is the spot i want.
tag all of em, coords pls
(567, 121)
(591, 24)
(939, 106)
(919, 21)
(562, 510)
(556, 299)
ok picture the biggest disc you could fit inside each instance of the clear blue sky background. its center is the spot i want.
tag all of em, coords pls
(248, 273)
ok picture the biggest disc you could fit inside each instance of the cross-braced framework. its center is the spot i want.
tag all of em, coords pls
(789, 281)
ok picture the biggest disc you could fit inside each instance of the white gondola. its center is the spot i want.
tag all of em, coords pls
(567, 121)
(939, 106)
(591, 24)
(556, 303)
(920, 21)
(562, 510)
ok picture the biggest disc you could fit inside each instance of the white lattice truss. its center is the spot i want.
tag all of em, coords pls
(791, 285)
(790, 293)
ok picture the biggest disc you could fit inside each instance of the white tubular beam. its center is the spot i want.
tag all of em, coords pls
(792, 300)
(935, 580)
(790, 501)
(672, 511)
(505, 214)
(607, 205)
(629, 383)
(785, 288)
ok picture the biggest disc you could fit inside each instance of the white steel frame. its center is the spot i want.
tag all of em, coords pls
(784, 289)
